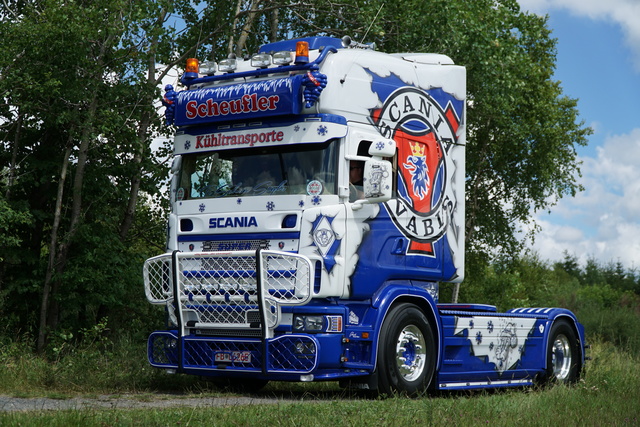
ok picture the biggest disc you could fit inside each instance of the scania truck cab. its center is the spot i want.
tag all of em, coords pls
(317, 201)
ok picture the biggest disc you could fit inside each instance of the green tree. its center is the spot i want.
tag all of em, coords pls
(522, 132)
(78, 118)
(78, 80)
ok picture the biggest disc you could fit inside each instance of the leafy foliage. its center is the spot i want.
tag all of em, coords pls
(76, 128)
(77, 115)
(522, 131)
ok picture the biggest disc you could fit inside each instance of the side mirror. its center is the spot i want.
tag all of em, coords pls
(377, 180)
(175, 176)
(383, 148)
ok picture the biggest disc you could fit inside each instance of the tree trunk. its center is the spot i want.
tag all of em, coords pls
(242, 40)
(53, 244)
(136, 179)
(235, 24)
(143, 129)
(274, 26)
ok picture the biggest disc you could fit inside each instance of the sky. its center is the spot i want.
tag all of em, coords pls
(598, 63)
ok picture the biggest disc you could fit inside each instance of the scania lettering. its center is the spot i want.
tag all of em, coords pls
(242, 221)
(317, 204)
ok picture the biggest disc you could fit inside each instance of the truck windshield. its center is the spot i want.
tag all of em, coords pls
(292, 169)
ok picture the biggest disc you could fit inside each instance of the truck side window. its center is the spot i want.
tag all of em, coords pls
(356, 172)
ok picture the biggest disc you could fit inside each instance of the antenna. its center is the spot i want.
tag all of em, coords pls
(372, 22)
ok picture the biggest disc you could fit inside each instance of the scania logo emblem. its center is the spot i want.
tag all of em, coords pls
(424, 132)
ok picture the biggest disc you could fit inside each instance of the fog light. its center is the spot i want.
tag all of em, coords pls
(261, 60)
(228, 65)
(282, 58)
(208, 67)
(305, 348)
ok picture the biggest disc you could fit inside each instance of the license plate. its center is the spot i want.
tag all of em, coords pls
(233, 357)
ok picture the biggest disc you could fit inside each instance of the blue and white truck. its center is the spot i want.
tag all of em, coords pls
(317, 201)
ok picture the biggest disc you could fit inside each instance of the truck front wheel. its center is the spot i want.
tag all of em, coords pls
(406, 352)
(563, 354)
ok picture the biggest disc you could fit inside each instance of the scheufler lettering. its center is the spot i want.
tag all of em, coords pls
(250, 103)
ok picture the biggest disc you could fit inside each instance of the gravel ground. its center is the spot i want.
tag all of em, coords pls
(8, 403)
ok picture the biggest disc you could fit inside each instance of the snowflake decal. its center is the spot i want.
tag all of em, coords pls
(316, 200)
(322, 130)
(479, 337)
(271, 206)
(296, 128)
(239, 201)
(202, 207)
(471, 324)
(301, 203)
(380, 145)
(491, 346)
(187, 144)
(490, 326)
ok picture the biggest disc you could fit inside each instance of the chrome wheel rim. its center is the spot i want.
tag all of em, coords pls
(561, 357)
(411, 353)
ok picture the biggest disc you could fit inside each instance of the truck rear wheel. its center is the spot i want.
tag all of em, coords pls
(406, 352)
(563, 354)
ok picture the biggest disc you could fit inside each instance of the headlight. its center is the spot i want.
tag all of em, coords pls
(314, 323)
(317, 323)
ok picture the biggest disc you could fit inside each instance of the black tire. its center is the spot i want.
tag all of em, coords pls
(406, 352)
(564, 358)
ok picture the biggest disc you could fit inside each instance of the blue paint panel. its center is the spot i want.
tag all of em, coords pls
(290, 45)
(380, 261)
(243, 101)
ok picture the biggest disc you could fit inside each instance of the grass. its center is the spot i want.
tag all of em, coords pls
(608, 394)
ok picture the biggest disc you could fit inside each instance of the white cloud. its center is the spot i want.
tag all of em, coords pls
(625, 13)
(607, 212)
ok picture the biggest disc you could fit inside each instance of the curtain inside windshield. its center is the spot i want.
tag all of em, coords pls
(297, 169)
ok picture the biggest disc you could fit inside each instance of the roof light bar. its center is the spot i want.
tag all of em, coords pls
(228, 65)
(261, 60)
(208, 67)
(282, 58)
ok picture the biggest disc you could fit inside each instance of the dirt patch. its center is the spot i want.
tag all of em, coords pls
(8, 404)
